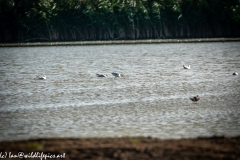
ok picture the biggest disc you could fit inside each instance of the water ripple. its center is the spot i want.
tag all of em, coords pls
(152, 99)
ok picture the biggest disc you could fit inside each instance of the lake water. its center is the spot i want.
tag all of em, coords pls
(151, 99)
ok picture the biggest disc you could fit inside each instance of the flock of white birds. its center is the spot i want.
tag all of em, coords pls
(115, 74)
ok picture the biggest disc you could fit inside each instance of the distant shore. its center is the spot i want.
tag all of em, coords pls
(113, 42)
(127, 148)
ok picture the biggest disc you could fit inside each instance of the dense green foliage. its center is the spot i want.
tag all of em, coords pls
(71, 20)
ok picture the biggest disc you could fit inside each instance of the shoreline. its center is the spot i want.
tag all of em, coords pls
(114, 42)
(128, 148)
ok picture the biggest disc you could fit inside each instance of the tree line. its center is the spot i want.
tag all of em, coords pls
(81, 20)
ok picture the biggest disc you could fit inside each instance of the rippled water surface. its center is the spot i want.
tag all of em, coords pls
(151, 99)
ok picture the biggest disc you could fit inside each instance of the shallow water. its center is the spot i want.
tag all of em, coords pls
(151, 99)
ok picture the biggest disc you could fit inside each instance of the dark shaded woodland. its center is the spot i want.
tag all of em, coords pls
(82, 20)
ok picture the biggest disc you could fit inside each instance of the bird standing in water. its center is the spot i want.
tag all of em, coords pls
(195, 99)
(186, 67)
(101, 75)
(116, 74)
(42, 77)
(235, 73)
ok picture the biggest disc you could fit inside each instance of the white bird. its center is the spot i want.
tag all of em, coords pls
(235, 73)
(101, 75)
(116, 74)
(195, 99)
(42, 77)
(186, 67)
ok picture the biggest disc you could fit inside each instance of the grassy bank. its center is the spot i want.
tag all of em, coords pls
(150, 41)
(129, 148)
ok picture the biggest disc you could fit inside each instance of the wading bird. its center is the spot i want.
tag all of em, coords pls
(186, 67)
(235, 73)
(42, 77)
(101, 75)
(116, 74)
(195, 99)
